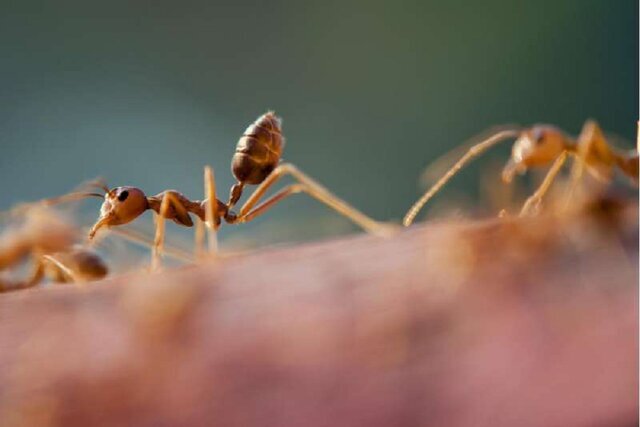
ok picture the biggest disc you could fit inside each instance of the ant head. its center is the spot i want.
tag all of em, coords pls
(537, 146)
(121, 205)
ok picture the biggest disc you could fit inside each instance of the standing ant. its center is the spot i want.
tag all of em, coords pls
(256, 161)
(539, 146)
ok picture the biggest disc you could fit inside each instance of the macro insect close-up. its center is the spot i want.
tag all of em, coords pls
(155, 269)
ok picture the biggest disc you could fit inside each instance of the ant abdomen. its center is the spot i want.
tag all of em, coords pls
(259, 150)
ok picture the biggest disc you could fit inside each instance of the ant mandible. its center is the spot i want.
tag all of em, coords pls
(256, 161)
(539, 146)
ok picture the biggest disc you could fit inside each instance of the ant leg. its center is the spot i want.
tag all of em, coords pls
(172, 206)
(383, 230)
(140, 239)
(36, 275)
(590, 143)
(198, 237)
(264, 206)
(586, 142)
(158, 241)
(234, 194)
(64, 269)
(474, 151)
(211, 209)
(436, 168)
(315, 190)
(533, 202)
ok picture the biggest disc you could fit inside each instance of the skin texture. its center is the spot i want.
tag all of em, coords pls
(522, 322)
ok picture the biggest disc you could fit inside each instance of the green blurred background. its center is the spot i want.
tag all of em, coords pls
(147, 92)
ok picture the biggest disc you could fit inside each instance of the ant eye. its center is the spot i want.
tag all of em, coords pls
(538, 135)
(123, 195)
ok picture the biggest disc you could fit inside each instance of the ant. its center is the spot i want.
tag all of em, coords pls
(539, 146)
(77, 265)
(256, 161)
(48, 241)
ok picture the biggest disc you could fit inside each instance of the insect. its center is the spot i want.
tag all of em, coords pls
(256, 161)
(540, 146)
(48, 241)
(77, 265)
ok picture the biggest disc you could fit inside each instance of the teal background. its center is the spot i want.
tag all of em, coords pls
(146, 93)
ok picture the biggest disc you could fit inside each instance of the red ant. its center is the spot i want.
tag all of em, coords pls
(256, 162)
(542, 145)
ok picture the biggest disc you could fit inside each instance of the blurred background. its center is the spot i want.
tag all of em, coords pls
(146, 93)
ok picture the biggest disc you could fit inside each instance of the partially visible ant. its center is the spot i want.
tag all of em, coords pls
(48, 241)
(77, 265)
(256, 162)
(540, 146)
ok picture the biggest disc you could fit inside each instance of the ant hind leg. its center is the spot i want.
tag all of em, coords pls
(315, 190)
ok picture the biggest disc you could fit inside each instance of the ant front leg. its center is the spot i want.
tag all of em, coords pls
(311, 187)
(533, 202)
(473, 152)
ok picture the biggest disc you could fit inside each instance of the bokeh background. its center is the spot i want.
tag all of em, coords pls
(147, 92)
